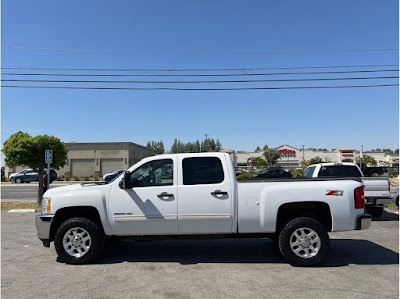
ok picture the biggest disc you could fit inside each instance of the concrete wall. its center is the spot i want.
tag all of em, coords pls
(119, 154)
(87, 159)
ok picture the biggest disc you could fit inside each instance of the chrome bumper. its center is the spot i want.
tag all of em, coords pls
(379, 200)
(363, 222)
(43, 223)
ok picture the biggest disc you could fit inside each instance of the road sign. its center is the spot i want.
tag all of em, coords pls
(48, 156)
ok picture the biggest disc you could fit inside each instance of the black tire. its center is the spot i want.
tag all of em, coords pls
(376, 212)
(286, 235)
(95, 248)
(397, 201)
(19, 180)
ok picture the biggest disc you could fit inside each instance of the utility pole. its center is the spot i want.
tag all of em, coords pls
(303, 153)
(361, 156)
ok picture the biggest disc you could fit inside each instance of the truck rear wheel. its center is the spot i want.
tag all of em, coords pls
(78, 241)
(304, 242)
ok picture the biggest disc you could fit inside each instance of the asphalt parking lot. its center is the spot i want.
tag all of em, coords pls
(361, 264)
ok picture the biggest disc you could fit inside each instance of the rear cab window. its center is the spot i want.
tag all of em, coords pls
(202, 170)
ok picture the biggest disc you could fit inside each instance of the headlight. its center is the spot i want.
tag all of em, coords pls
(46, 202)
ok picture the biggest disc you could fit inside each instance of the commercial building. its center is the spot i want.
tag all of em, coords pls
(291, 157)
(94, 159)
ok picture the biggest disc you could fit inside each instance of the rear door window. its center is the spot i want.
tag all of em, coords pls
(204, 170)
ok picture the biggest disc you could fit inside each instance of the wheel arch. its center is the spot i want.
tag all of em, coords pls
(87, 212)
(317, 210)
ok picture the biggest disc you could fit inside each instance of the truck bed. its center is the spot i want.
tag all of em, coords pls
(301, 179)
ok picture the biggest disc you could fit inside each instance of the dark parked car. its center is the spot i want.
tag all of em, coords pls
(31, 176)
(273, 173)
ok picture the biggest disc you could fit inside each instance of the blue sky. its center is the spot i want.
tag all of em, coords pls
(242, 120)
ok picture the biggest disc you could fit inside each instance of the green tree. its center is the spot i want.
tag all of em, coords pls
(257, 149)
(315, 160)
(218, 145)
(22, 149)
(387, 151)
(368, 160)
(257, 162)
(396, 151)
(271, 156)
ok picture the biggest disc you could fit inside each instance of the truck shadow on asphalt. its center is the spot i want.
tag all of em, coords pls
(387, 217)
(343, 252)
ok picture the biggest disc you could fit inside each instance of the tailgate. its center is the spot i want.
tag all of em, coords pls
(376, 187)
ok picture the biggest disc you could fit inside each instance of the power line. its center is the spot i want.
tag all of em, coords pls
(197, 82)
(199, 75)
(198, 89)
(198, 52)
(244, 69)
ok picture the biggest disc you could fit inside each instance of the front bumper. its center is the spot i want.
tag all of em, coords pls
(363, 222)
(43, 224)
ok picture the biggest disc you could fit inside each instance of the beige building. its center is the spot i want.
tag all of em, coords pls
(291, 157)
(94, 159)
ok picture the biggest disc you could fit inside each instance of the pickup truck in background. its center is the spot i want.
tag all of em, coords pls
(190, 196)
(376, 189)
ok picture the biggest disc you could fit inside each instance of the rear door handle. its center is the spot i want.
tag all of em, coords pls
(219, 192)
(165, 194)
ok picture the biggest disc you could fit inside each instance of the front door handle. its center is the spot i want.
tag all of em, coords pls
(165, 194)
(219, 192)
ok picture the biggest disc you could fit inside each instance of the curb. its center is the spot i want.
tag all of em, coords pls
(390, 211)
(22, 211)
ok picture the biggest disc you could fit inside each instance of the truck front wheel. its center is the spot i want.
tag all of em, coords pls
(78, 241)
(304, 242)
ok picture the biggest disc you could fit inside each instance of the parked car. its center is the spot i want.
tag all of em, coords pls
(110, 176)
(377, 189)
(200, 199)
(31, 176)
(273, 173)
(395, 197)
(29, 170)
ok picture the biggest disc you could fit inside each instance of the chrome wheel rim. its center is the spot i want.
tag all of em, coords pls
(305, 242)
(77, 242)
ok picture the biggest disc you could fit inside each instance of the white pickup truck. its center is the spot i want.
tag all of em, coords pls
(376, 189)
(186, 196)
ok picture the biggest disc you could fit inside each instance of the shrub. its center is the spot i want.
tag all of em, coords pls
(393, 174)
(76, 178)
(96, 178)
(86, 178)
(296, 172)
(245, 176)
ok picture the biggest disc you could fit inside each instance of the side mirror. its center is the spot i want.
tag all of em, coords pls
(125, 183)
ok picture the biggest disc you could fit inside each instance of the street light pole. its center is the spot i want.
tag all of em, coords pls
(303, 154)
(361, 156)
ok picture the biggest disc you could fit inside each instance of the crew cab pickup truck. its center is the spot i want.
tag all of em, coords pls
(376, 189)
(189, 196)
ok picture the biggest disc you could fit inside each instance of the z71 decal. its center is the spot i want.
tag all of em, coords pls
(335, 192)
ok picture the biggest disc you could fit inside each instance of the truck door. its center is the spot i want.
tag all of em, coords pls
(150, 207)
(205, 195)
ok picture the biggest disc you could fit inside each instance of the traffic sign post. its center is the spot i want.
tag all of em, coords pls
(48, 158)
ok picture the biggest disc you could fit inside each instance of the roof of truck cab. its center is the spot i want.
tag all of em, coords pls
(335, 164)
